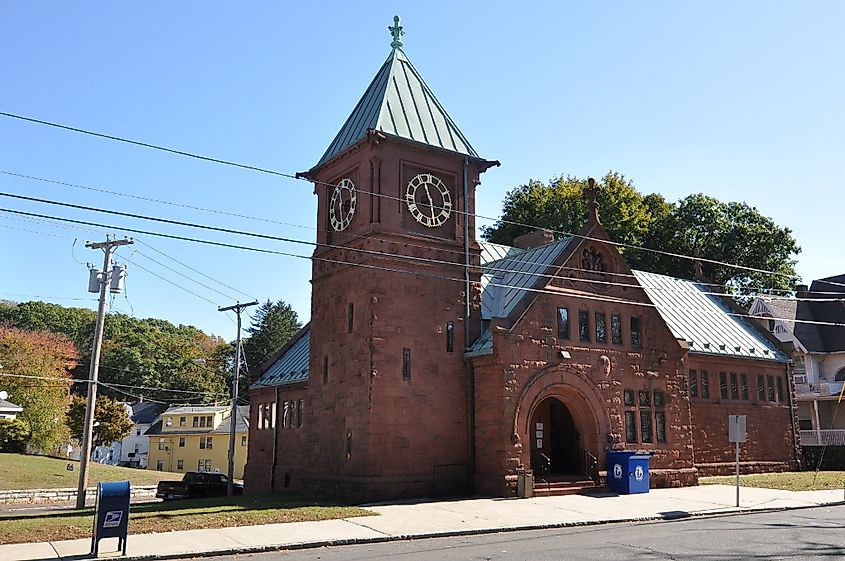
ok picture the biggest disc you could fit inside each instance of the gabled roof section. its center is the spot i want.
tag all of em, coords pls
(146, 412)
(9, 406)
(709, 326)
(398, 102)
(291, 366)
(495, 251)
(829, 309)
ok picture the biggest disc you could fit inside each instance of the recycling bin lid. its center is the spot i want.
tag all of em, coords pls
(113, 488)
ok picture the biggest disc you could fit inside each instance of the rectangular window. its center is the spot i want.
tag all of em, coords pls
(286, 414)
(350, 320)
(182, 421)
(636, 342)
(693, 383)
(325, 369)
(273, 415)
(723, 385)
(780, 388)
(161, 444)
(629, 398)
(159, 465)
(406, 364)
(563, 323)
(705, 384)
(659, 399)
(181, 442)
(300, 407)
(616, 329)
(349, 445)
(209, 421)
(450, 336)
(205, 442)
(645, 425)
(761, 388)
(645, 398)
(630, 427)
(196, 422)
(660, 425)
(734, 386)
(243, 440)
(180, 464)
(583, 325)
(202, 422)
(743, 386)
(201, 465)
(601, 328)
(771, 380)
(168, 421)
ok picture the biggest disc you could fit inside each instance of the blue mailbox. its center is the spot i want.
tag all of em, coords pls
(627, 472)
(111, 514)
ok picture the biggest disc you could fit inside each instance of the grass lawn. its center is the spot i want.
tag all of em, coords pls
(39, 472)
(157, 517)
(788, 481)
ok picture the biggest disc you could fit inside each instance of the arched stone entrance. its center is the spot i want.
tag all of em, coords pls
(556, 447)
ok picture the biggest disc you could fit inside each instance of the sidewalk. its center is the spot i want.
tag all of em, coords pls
(445, 518)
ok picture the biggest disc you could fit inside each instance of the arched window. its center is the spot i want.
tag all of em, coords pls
(840, 376)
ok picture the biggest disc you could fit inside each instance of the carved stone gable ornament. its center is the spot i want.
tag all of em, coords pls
(592, 260)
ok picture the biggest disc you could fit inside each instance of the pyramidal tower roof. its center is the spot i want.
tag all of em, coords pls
(398, 102)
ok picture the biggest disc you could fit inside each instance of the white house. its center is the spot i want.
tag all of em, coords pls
(9, 410)
(134, 449)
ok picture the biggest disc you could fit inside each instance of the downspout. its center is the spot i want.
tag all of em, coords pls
(789, 386)
(467, 342)
(275, 440)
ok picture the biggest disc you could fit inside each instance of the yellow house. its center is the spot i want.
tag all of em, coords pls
(197, 439)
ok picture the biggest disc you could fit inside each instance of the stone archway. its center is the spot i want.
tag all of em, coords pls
(556, 447)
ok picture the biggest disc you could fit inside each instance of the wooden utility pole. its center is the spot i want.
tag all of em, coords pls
(88, 428)
(233, 416)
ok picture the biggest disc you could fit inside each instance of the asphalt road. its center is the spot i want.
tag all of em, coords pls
(805, 534)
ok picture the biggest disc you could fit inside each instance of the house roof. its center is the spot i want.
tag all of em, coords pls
(291, 366)
(187, 410)
(146, 412)
(223, 428)
(9, 406)
(398, 102)
(700, 317)
(829, 309)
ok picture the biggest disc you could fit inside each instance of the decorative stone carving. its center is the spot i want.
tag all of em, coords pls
(605, 364)
(592, 260)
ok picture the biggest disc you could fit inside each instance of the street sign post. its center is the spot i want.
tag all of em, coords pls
(737, 434)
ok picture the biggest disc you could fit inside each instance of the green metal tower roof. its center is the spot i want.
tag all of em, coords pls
(398, 102)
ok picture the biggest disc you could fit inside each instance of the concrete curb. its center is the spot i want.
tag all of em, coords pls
(457, 533)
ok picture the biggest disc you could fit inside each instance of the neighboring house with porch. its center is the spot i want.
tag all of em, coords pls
(9, 410)
(814, 324)
(437, 364)
(186, 438)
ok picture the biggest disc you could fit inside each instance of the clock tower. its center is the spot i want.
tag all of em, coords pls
(394, 295)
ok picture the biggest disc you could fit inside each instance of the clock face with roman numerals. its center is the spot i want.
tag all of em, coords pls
(428, 200)
(342, 204)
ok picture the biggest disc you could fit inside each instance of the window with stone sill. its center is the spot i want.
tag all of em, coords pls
(779, 381)
(723, 385)
(693, 384)
(734, 386)
(705, 385)
(601, 328)
(584, 325)
(771, 380)
(636, 340)
(743, 386)
(616, 329)
(563, 323)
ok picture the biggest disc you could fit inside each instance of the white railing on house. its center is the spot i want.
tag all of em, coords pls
(834, 437)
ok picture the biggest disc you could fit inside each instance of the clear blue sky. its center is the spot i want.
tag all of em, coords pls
(738, 100)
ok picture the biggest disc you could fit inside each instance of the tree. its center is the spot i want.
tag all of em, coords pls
(273, 324)
(111, 421)
(14, 434)
(698, 225)
(44, 359)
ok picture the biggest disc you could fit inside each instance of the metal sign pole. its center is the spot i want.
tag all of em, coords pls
(737, 473)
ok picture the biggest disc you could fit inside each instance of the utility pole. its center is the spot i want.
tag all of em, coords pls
(233, 416)
(88, 429)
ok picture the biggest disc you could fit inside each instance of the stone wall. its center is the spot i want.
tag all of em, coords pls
(66, 494)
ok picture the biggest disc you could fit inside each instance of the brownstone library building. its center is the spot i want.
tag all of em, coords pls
(437, 364)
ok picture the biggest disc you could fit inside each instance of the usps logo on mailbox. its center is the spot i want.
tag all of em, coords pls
(617, 471)
(113, 518)
(638, 473)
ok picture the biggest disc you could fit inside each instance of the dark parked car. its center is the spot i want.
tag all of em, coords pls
(195, 485)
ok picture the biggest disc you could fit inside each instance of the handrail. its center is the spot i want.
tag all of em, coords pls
(545, 468)
(591, 465)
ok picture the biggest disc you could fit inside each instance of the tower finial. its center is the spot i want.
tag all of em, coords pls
(397, 31)
(591, 193)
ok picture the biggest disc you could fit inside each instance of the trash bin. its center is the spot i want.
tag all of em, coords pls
(525, 484)
(111, 514)
(627, 472)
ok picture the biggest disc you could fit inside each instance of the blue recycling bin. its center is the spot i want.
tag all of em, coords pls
(627, 472)
(111, 514)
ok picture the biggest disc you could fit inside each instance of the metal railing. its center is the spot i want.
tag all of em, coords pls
(591, 467)
(545, 471)
(830, 437)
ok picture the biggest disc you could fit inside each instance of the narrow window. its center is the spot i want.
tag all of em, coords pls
(629, 398)
(350, 320)
(761, 388)
(293, 420)
(450, 336)
(659, 399)
(300, 407)
(723, 385)
(181, 442)
(645, 425)
(325, 370)
(771, 380)
(616, 329)
(693, 383)
(743, 386)
(180, 464)
(630, 427)
(273, 415)
(635, 333)
(734, 387)
(262, 418)
(348, 445)
(160, 465)
(645, 398)
(181, 421)
(208, 443)
(705, 385)
(161, 444)
(202, 443)
(563, 323)
(660, 425)
(780, 388)
(168, 421)
(601, 328)
(243, 440)
(196, 422)
(209, 421)
(406, 364)
(286, 415)
(583, 325)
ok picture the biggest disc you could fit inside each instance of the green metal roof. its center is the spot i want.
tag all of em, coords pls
(398, 102)
(292, 365)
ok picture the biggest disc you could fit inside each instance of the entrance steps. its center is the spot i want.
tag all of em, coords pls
(562, 486)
